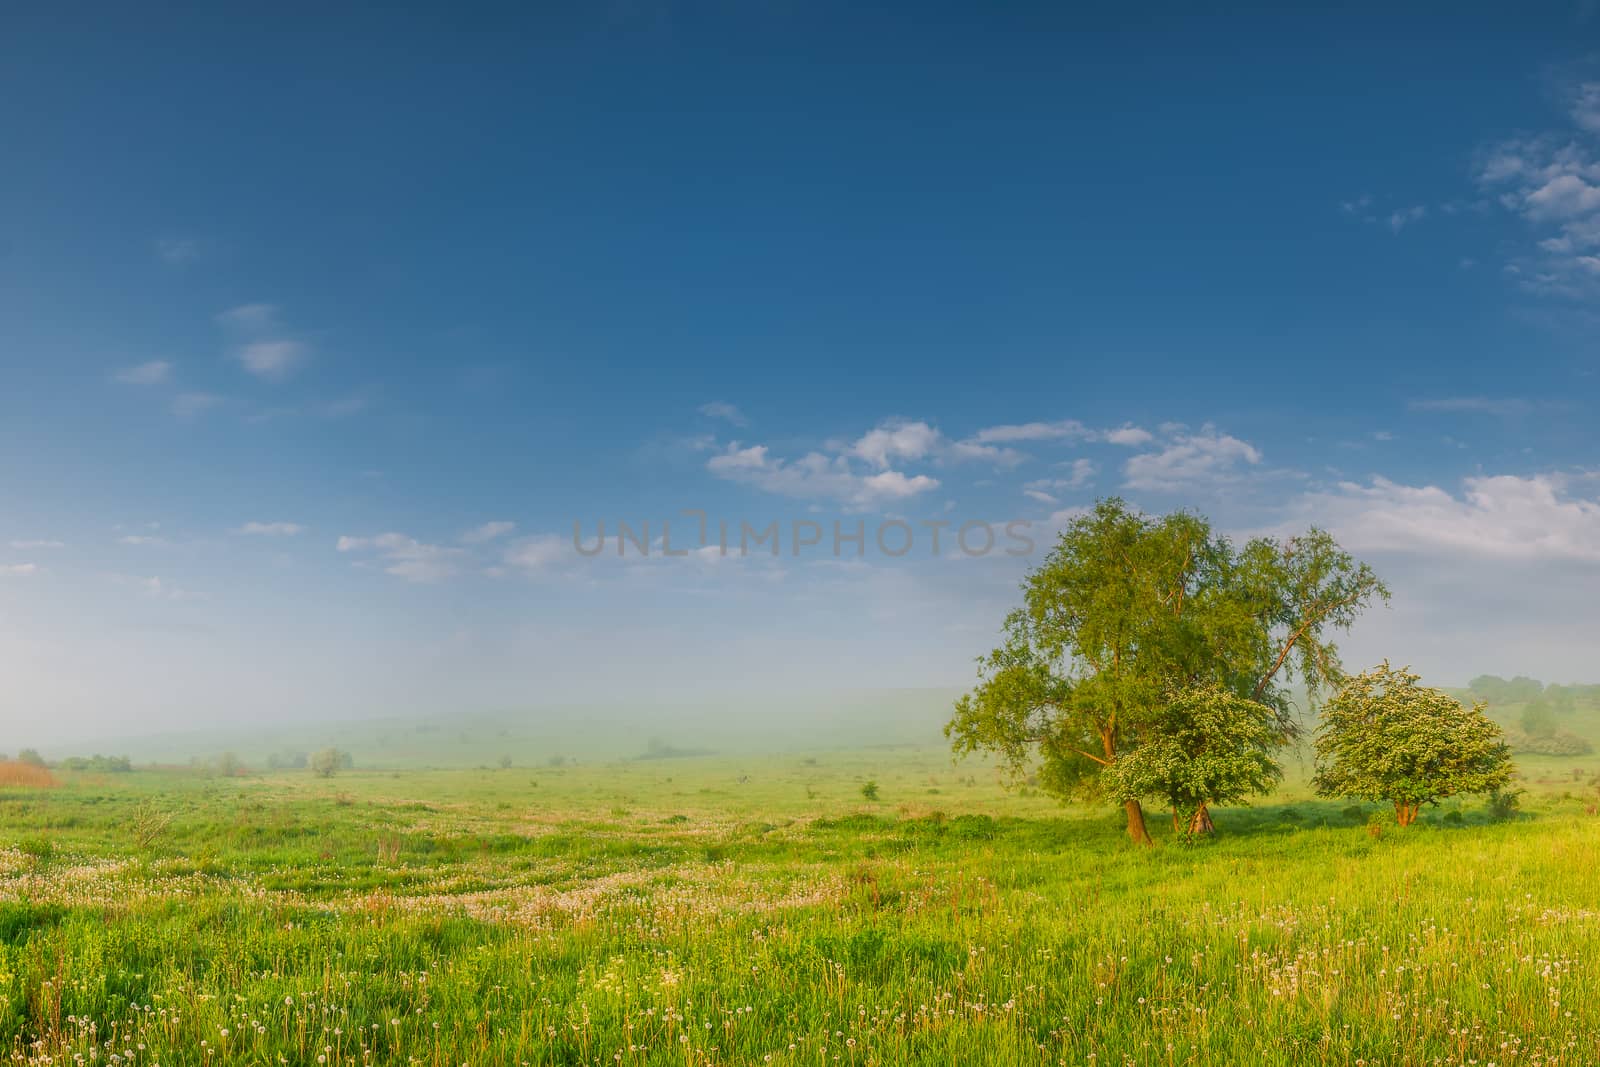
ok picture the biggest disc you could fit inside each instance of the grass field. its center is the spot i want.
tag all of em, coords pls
(757, 909)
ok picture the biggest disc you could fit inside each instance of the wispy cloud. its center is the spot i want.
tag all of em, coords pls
(489, 531)
(718, 409)
(178, 251)
(18, 570)
(814, 475)
(188, 405)
(1505, 406)
(1502, 516)
(1400, 218)
(1552, 181)
(251, 317)
(537, 555)
(406, 557)
(264, 350)
(152, 373)
(272, 360)
(29, 545)
(1190, 460)
(271, 529)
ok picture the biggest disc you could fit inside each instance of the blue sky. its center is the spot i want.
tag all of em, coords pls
(318, 333)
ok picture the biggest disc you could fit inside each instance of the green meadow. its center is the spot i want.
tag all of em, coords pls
(749, 908)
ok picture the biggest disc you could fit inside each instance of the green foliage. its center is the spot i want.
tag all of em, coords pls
(1126, 613)
(1385, 736)
(1207, 746)
(869, 791)
(1557, 744)
(98, 764)
(1495, 690)
(1538, 718)
(31, 757)
(327, 762)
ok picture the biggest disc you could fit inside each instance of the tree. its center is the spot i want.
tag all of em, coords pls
(327, 762)
(1206, 746)
(1538, 719)
(31, 757)
(1385, 736)
(1126, 614)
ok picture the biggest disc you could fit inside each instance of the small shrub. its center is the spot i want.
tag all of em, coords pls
(328, 762)
(870, 790)
(1504, 804)
(148, 824)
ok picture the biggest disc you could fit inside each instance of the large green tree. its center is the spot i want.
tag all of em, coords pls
(1126, 614)
(1386, 736)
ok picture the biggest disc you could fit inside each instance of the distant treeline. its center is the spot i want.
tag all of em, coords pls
(1538, 730)
(30, 757)
(1493, 690)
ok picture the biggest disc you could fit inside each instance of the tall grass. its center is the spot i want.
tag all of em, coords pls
(609, 915)
(25, 775)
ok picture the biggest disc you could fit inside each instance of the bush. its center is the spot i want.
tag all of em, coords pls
(328, 762)
(1557, 744)
(870, 790)
(1504, 803)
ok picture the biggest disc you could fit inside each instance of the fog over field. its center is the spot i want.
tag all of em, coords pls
(682, 534)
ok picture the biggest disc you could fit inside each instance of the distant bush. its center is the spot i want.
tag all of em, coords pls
(329, 761)
(659, 749)
(31, 757)
(1557, 744)
(870, 790)
(287, 760)
(98, 764)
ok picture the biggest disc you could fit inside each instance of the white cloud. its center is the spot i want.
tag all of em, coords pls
(1081, 471)
(487, 532)
(896, 440)
(1399, 220)
(1562, 197)
(814, 475)
(1500, 516)
(24, 546)
(535, 555)
(1505, 406)
(999, 455)
(896, 485)
(152, 373)
(250, 317)
(140, 540)
(272, 529)
(1206, 457)
(1552, 180)
(1033, 431)
(1041, 496)
(1586, 106)
(177, 251)
(406, 557)
(17, 570)
(1130, 436)
(188, 405)
(272, 360)
(717, 409)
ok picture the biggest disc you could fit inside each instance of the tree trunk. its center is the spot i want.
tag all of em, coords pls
(1405, 814)
(1136, 829)
(1200, 822)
